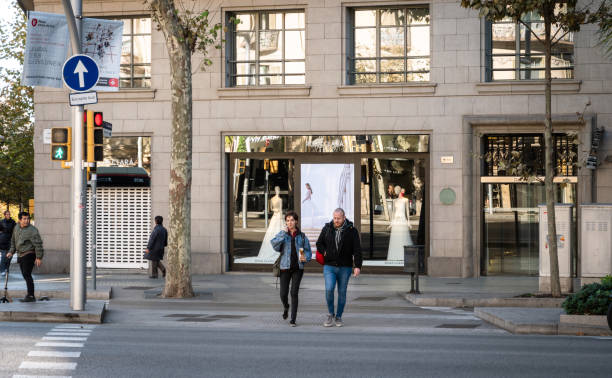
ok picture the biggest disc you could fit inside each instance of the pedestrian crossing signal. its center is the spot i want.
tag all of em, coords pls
(61, 140)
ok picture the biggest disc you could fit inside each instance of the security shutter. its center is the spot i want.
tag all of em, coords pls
(123, 226)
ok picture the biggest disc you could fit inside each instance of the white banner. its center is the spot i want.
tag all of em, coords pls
(102, 40)
(46, 50)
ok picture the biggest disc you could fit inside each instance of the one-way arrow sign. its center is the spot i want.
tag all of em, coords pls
(80, 73)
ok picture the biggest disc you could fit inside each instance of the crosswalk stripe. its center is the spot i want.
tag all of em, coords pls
(52, 344)
(73, 326)
(48, 365)
(71, 330)
(42, 376)
(52, 338)
(67, 334)
(53, 353)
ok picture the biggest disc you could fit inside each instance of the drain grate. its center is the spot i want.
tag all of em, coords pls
(458, 326)
(372, 299)
(199, 320)
(139, 287)
(183, 315)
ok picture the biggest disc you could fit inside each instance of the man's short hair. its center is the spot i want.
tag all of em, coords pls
(24, 214)
(6, 212)
(292, 214)
(340, 210)
(159, 219)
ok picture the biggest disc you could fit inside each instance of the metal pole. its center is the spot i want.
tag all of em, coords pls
(266, 195)
(77, 203)
(94, 224)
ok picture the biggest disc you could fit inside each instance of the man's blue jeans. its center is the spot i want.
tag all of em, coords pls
(333, 275)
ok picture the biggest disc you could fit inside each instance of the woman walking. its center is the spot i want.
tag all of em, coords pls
(295, 252)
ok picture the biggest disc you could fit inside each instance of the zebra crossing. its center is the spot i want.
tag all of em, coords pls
(56, 352)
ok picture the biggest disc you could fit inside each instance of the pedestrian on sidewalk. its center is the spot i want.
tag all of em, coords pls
(155, 248)
(7, 224)
(295, 252)
(28, 245)
(340, 245)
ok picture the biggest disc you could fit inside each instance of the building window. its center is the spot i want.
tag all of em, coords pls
(388, 45)
(266, 48)
(514, 53)
(136, 53)
(503, 153)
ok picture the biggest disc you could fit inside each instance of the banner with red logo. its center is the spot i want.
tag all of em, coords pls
(102, 41)
(46, 50)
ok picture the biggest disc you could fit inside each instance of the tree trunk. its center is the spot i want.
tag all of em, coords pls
(555, 285)
(178, 278)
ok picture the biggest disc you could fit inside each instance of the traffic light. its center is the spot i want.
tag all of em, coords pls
(61, 143)
(93, 141)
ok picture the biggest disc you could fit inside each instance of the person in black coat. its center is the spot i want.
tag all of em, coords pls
(155, 248)
(6, 231)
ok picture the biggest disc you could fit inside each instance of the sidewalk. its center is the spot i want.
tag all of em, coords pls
(498, 294)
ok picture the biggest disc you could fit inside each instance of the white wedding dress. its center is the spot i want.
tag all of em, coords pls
(266, 252)
(400, 231)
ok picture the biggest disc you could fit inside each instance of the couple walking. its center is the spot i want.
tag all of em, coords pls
(340, 246)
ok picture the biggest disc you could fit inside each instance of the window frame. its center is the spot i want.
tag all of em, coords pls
(351, 73)
(518, 71)
(231, 61)
(131, 65)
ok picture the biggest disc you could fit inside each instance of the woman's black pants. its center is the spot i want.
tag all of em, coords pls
(295, 277)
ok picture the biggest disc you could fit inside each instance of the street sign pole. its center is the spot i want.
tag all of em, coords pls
(78, 195)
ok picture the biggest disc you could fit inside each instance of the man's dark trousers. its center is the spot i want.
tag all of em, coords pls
(26, 263)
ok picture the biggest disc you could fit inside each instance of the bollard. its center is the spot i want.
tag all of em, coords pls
(412, 259)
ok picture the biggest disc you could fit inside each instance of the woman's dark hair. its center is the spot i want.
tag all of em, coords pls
(292, 214)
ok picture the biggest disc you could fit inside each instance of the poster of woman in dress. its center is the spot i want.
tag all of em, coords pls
(326, 187)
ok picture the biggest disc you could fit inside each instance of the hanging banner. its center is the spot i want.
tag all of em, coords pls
(46, 50)
(102, 40)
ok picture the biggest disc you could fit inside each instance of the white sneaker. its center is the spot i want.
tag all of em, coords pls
(339, 322)
(330, 321)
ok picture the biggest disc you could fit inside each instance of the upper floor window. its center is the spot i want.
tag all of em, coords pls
(514, 53)
(136, 53)
(266, 48)
(388, 45)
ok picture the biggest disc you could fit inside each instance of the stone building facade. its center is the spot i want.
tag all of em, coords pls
(456, 106)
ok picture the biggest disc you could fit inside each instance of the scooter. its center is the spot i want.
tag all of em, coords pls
(5, 298)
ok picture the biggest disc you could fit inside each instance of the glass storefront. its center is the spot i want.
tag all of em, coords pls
(379, 181)
(510, 229)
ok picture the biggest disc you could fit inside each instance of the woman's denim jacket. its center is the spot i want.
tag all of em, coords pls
(282, 244)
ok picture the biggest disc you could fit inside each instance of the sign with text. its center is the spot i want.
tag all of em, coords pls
(46, 49)
(84, 98)
(102, 41)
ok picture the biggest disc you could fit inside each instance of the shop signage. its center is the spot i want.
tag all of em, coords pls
(447, 159)
(591, 161)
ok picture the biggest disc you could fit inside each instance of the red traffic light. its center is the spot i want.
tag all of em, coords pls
(98, 119)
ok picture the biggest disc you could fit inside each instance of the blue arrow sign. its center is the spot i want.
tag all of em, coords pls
(80, 73)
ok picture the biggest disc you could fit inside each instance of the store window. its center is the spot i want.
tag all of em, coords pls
(515, 53)
(136, 53)
(379, 180)
(266, 48)
(388, 45)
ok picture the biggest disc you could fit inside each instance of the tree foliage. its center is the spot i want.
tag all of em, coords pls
(16, 116)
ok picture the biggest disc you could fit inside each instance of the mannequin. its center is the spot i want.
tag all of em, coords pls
(400, 227)
(266, 252)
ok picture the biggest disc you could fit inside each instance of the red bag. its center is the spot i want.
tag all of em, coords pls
(320, 258)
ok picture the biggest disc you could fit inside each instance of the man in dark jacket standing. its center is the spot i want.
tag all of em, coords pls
(155, 248)
(6, 231)
(339, 243)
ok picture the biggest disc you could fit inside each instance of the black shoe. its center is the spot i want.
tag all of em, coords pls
(292, 323)
(28, 298)
(286, 313)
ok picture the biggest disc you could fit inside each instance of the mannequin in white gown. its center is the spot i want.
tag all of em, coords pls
(266, 252)
(400, 227)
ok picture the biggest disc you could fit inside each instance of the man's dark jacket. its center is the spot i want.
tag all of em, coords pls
(6, 231)
(349, 247)
(157, 241)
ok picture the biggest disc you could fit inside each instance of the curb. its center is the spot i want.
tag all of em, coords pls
(420, 300)
(520, 328)
(93, 314)
(100, 294)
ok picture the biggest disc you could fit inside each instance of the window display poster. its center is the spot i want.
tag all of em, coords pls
(46, 49)
(325, 187)
(102, 40)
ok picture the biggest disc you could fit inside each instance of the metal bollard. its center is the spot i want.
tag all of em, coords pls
(411, 265)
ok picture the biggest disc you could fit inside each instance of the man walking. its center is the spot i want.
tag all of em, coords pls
(339, 243)
(6, 231)
(27, 243)
(155, 248)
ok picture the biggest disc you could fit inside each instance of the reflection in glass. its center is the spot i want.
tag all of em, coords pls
(135, 63)
(127, 152)
(365, 42)
(365, 17)
(294, 20)
(142, 26)
(295, 46)
(271, 21)
(245, 46)
(392, 42)
(270, 44)
(362, 65)
(126, 50)
(392, 17)
(246, 21)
